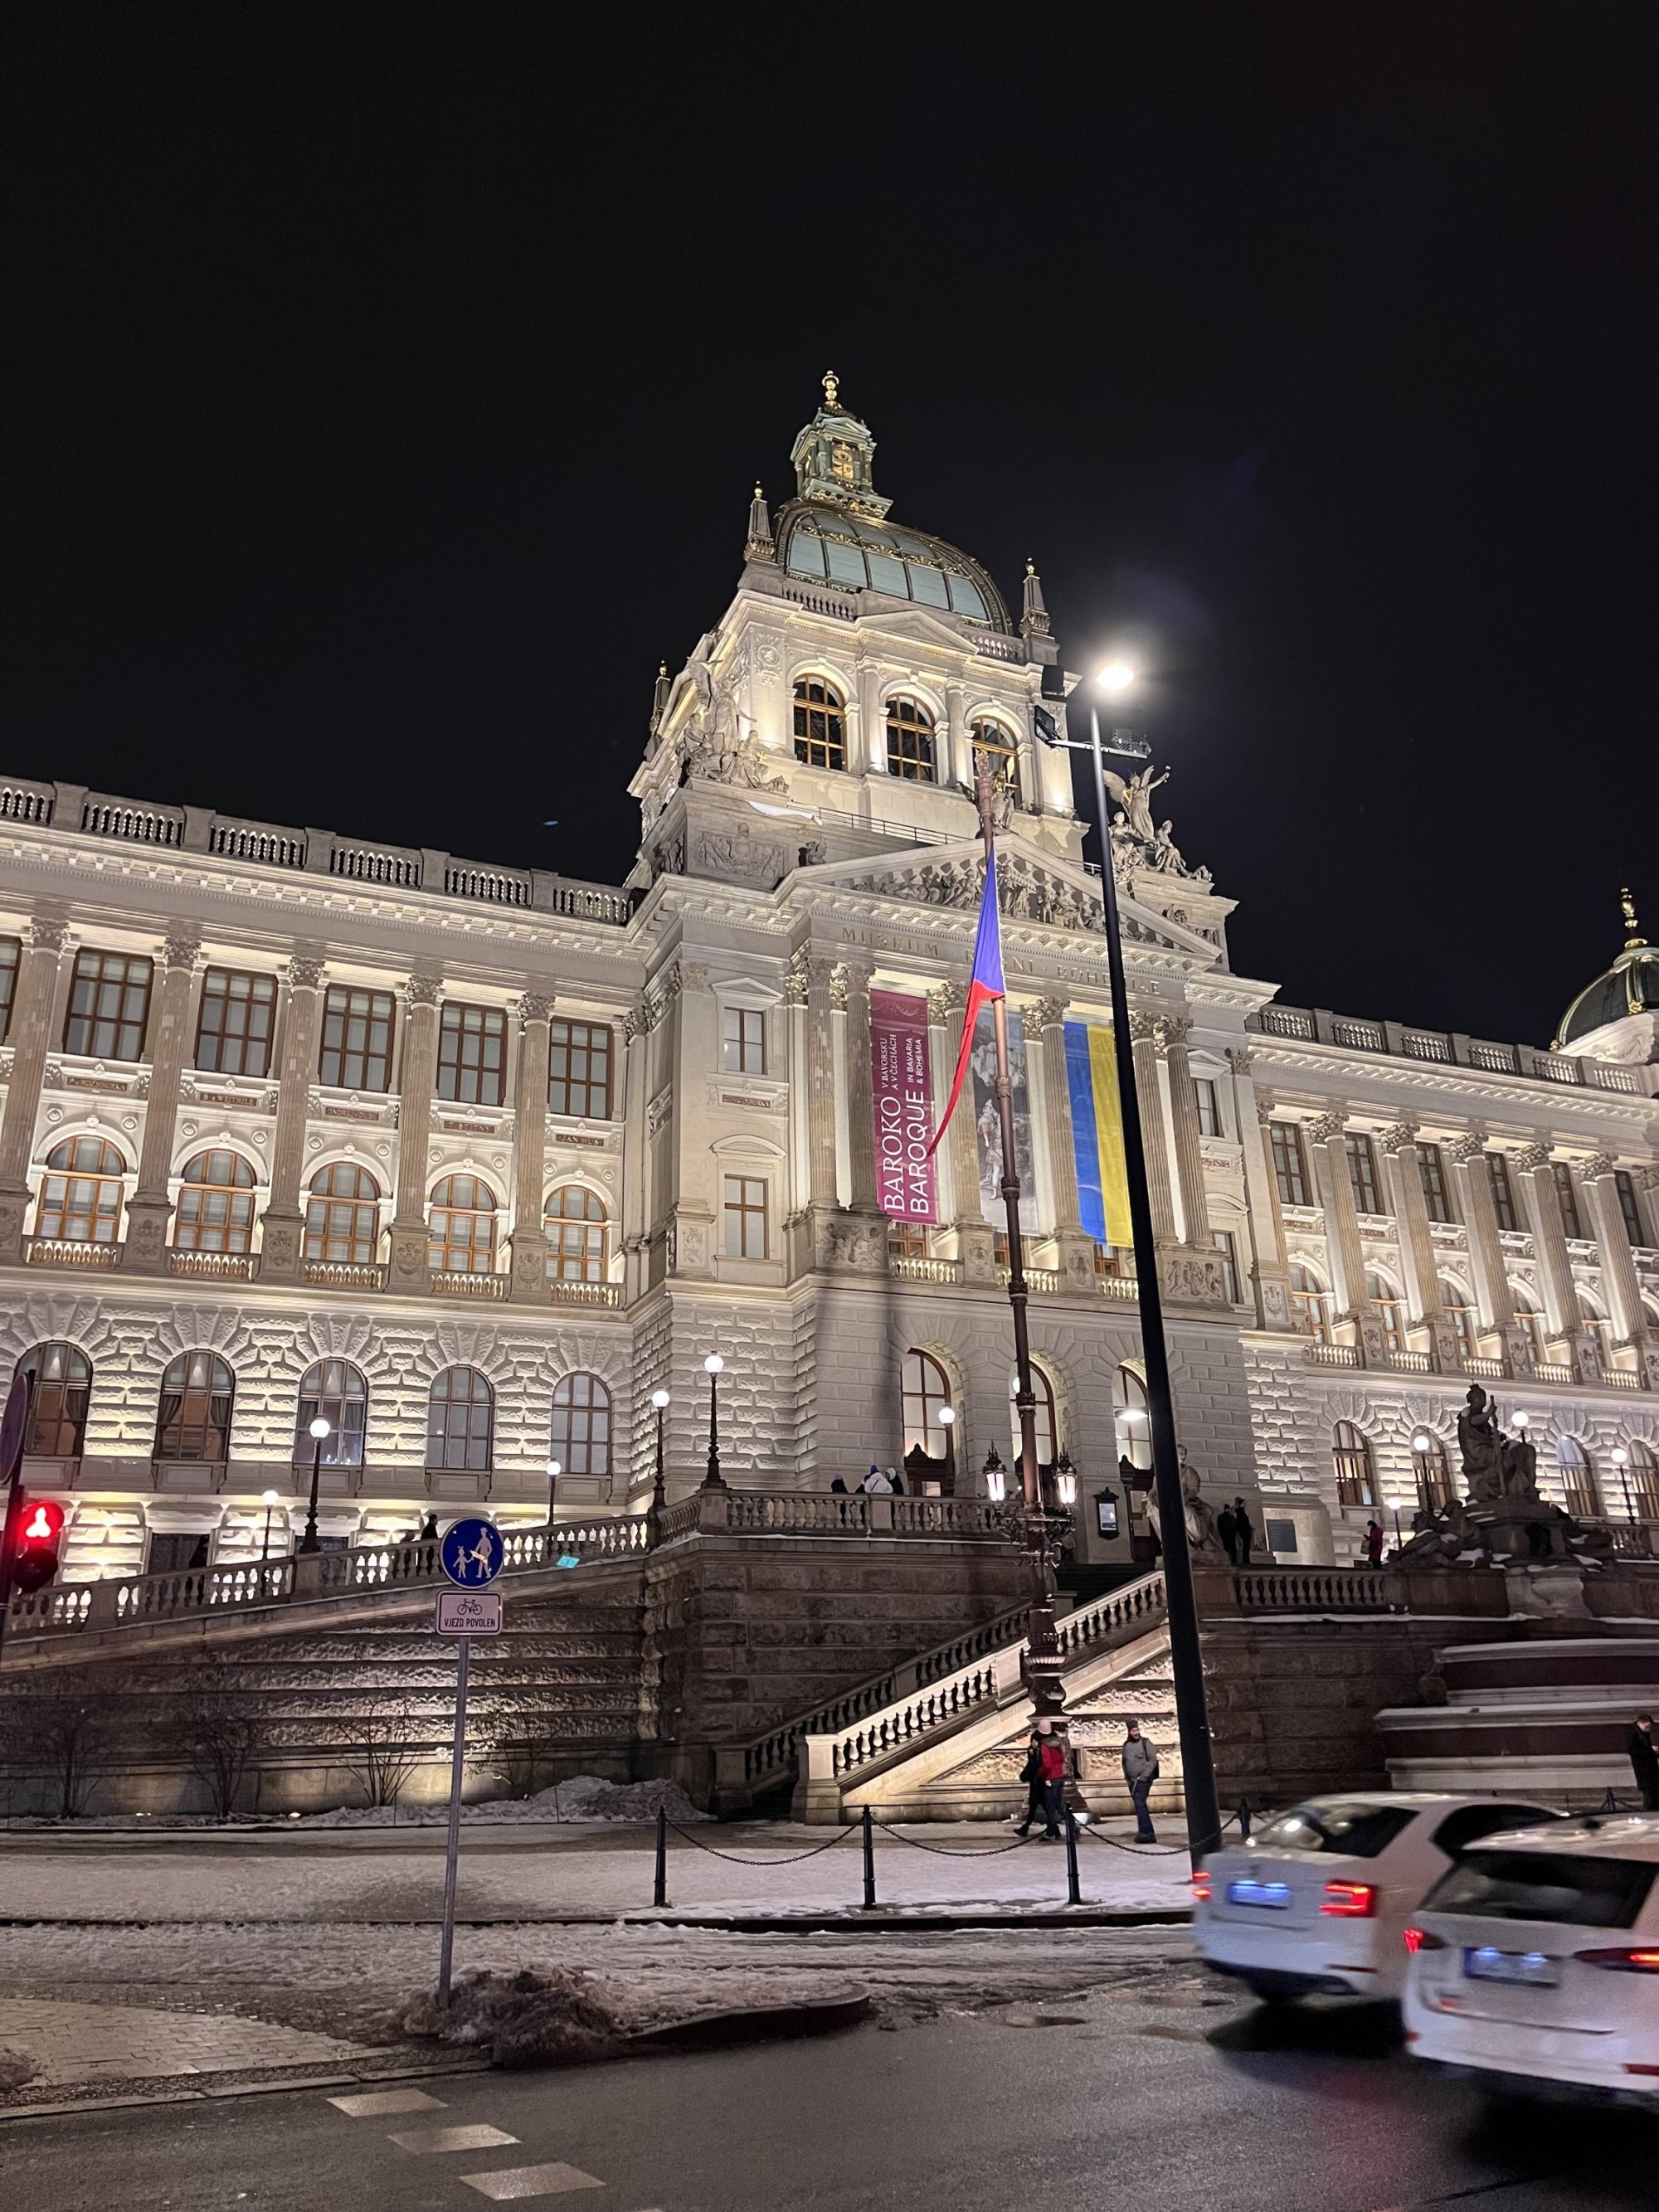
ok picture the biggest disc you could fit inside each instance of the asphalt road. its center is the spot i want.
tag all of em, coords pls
(1161, 2098)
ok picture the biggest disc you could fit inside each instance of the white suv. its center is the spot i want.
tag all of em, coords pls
(1539, 1957)
(1318, 1899)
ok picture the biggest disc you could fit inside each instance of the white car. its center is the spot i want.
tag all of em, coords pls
(1317, 1901)
(1538, 1957)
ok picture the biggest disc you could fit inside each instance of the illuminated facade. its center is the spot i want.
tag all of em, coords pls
(468, 1160)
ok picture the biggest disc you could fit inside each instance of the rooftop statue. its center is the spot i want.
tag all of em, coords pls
(1138, 841)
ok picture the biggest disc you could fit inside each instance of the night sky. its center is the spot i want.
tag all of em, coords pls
(383, 389)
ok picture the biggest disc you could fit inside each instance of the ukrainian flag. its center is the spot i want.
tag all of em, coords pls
(1103, 1182)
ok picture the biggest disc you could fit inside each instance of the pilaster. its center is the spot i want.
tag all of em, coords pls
(1566, 1331)
(37, 987)
(1492, 1282)
(1173, 1030)
(1270, 1269)
(1618, 1278)
(1427, 1308)
(529, 1234)
(149, 1209)
(1143, 1035)
(1329, 1133)
(975, 1238)
(282, 1228)
(411, 1261)
(1075, 1250)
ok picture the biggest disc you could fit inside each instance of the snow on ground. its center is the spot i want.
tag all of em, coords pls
(753, 1869)
(582, 1798)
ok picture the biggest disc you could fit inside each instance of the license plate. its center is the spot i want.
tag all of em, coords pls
(1482, 1963)
(1275, 1895)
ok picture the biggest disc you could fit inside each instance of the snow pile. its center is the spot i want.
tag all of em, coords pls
(520, 2020)
(15, 2071)
(584, 1797)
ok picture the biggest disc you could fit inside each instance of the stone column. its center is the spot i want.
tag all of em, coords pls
(1491, 1281)
(1173, 1032)
(282, 1228)
(861, 1086)
(529, 1238)
(1566, 1330)
(1618, 1278)
(637, 1173)
(1143, 1035)
(955, 767)
(411, 1269)
(29, 1039)
(1076, 1250)
(1411, 1207)
(150, 1209)
(821, 1090)
(798, 1066)
(1342, 1234)
(976, 1237)
(1270, 1266)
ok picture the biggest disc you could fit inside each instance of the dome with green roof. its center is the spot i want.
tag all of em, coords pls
(1631, 987)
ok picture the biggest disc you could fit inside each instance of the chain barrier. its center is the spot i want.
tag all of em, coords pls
(945, 1851)
(735, 1858)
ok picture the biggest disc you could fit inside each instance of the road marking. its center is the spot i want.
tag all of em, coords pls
(476, 2137)
(370, 2105)
(530, 2181)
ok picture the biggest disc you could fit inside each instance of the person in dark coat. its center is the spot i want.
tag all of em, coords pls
(1374, 1541)
(1244, 1530)
(898, 1481)
(1227, 1529)
(838, 1486)
(1643, 1749)
(1140, 1768)
(1032, 1775)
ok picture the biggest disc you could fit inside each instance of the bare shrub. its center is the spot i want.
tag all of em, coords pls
(62, 1724)
(217, 1727)
(383, 1754)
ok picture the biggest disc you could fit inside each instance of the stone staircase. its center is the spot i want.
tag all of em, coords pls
(951, 1747)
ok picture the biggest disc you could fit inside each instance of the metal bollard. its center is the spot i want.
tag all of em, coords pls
(1243, 1820)
(1073, 1886)
(869, 1862)
(660, 1891)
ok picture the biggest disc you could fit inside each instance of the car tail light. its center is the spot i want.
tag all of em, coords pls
(1200, 1887)
(1423, 1939)
(1621, 1961)
(1350, 1900)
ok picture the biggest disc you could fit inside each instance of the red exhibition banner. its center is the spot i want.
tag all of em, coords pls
(902, 1105)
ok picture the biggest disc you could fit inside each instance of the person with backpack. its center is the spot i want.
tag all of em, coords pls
(1140, 1771)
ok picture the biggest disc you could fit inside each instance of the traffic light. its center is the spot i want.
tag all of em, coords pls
(40, 1532)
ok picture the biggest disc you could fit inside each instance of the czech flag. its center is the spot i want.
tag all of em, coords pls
(987, 985)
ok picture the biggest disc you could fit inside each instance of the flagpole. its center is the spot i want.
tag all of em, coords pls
(1042, 1663)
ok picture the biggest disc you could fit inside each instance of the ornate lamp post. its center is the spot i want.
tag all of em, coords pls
(947, 1421)
(712, 1368)
(319, 1429)
(553, 1471)
(268, 1499)
(658, 1481)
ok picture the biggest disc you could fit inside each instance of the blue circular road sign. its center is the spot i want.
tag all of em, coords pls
(472, 1552)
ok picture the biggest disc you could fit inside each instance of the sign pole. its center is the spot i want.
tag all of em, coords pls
(452, 1853)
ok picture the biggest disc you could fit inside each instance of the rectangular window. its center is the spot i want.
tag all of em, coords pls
(12, 951)
(745, 1217)
(234, 1030)
(1223, 1240)
(1362, 1172)
(1432, 1170)
(109, 1005)
(742, 1041)
(578, 1069)
(1289, 1164)
(358, 1032)
(1502, 1192)
(1624, 1183)
(1566, 1191)
(471, 1054)
(1209, 1108)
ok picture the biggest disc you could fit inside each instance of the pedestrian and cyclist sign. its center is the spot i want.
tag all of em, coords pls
(469, 1613)
(472, 1552)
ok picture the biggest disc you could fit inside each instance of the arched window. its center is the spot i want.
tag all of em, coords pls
(1311, 1302)
(1350, 1453)
(998, 748)
(576, 1221)
(910, 742)
(1578, 1487)
(1459, 1312)
(1048, 1428)
(1435, 1487)
(460, 1420)
(80, 1196)
(1643, 1476)
(216, 1204)
(1131, 1420)
(343, 1216)
(1527, 1314)
(197, 1392)
(1390, 1309)
(461, 1227)
(581, 1424)
(62, 1376)
(820, 724)
(1597, 1329)
(334, 1391)
(925, 1389)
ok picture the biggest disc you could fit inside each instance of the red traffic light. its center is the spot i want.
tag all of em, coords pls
(40, 1530)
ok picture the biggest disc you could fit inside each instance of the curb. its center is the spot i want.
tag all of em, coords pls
(780, 1924)
(360, 2078)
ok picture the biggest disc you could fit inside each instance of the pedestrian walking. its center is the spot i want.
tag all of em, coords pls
(1227, 1529)
(1051, 1760)
(1244, 1530)
(838, 1488)
(1140, 1771)
(1643, 1749)
(876, 1483)
(1030, 1774)
(1374, 1541)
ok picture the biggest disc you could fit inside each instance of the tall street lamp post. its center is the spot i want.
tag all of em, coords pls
(553, 1471)
(268, 1499)
(1197, 1753)
(319, 1429)
(660, 1479)
(711, 1367)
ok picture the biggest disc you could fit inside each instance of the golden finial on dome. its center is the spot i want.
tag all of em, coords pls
(831, 386)
(1634, 938)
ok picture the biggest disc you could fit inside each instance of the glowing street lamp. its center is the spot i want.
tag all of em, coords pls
(996, 1477)
(659, 1485)
(713, 1368)
(553, 1471)
(268, 1499)
(1116, 677)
